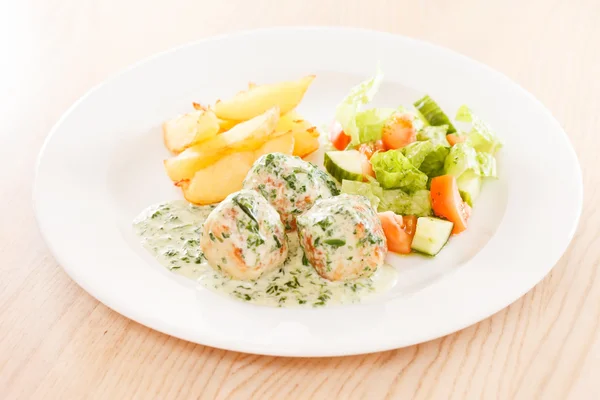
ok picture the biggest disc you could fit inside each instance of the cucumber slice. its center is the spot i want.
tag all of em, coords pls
(344, 165)
(469, 186)
(431, 235)
(432, 113)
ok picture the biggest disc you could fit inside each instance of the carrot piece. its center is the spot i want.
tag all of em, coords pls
(447, 203)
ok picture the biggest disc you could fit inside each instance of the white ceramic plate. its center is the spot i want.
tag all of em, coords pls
(102, 164)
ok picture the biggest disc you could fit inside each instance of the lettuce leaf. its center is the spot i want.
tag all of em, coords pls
(417, 203)
(481, 137)
(394, 171)
(487, 165)
(370, 123)
(462, 157)
(433, 164)
(435, 134)
(360, 95)
(417, 151)
(464, 114)
(427, 157)
(371, 190)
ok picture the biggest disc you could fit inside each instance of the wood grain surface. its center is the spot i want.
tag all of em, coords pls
(57, 342)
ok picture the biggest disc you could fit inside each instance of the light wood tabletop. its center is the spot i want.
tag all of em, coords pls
(57, 342)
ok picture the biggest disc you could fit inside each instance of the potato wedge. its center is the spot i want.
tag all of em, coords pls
(215, 182)
(226, 124)
(305, 134)
(246, 136)
(258, 99)
(192, 159)
(189, 129)
(306, 142)
(282, 144)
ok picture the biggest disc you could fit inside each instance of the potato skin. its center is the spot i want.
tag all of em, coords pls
(257, 99)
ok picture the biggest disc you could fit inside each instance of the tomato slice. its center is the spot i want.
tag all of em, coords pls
(367, 150)
(399, 231)
(447, 203)
(379, 146)
(338, 137)
(367, 168)
(409, 224)
(398, 131)
(453, 138)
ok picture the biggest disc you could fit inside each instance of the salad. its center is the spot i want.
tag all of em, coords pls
(417, 168)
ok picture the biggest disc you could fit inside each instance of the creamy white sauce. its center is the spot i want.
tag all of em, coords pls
(170, 231)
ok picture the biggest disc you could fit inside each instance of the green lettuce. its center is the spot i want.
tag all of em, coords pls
(464, 114)
(360, 95)
(481, 137)
(417, 151)
(427, 157)
(487, 165)
(433, 164)
(371, 190)
(370, 123)
(435, 134)
(462, 157)
(394, 171)
(417, 203)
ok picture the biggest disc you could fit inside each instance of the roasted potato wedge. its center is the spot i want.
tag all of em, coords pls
(186, 130)
(282, 144)
(215, 182)
(306, 142)
(246, 136)
(305, 134)
(258, 99)
(226, 124)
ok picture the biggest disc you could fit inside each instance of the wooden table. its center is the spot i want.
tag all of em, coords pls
(58, 342)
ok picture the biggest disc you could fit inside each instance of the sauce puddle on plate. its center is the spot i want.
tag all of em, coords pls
(171, 231)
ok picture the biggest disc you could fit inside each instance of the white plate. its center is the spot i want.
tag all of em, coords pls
(102, 164)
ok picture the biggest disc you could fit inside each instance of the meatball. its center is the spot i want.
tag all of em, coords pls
(243, 236)
(342, 237)
(290, 184)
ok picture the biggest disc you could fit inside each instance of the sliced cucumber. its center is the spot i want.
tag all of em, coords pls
(344, 165)
(469, 186)
(431, 235)
(432, 113)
